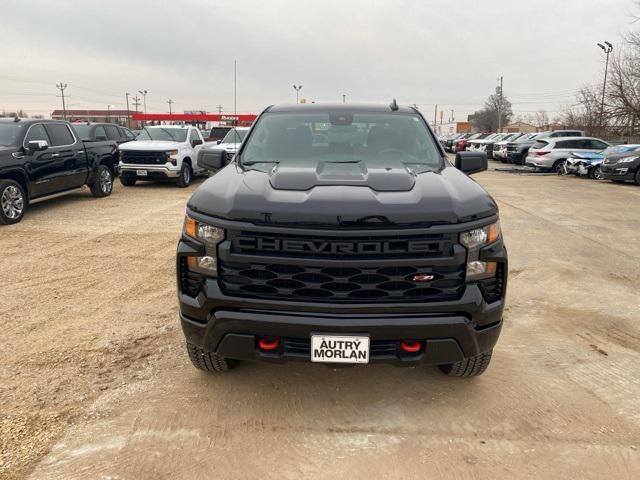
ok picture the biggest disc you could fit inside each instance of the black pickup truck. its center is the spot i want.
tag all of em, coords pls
(41, 159)
(342, 234)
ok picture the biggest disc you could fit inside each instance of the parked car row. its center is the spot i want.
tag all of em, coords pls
(559, 151)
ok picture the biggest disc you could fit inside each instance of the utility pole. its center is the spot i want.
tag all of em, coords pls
(435, 118)
(219, 109)
(62, 87)
(108, 113)
(500, 100)
(128, 112)
(136, 102)
(235, 90)
(170, 102)
(607, 49)
(452, 117)
(297, 88)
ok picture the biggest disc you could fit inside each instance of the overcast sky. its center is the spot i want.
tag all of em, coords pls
(419, 51)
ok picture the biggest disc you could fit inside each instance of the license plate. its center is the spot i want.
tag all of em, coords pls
(339, 349)
(141, 173)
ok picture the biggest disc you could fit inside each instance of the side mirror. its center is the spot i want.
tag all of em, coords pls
(211, 159)
(37, 145)
(194, 143)
(471, 162)
(218, 142)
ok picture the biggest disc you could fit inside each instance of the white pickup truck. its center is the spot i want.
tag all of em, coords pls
(162, 152)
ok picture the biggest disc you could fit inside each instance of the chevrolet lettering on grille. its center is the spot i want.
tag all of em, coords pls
(326, 247)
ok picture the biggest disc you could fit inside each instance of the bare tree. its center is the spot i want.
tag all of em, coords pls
(486, 119)
(541, 119)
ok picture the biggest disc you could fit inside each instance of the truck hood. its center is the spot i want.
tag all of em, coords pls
(311, 197)
(153, 145)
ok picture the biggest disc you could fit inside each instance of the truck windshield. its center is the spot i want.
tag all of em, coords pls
(234, 136)
(161, 133)
(9, 133)
(377, 139)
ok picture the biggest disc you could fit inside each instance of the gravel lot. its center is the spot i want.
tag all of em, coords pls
(95, 382)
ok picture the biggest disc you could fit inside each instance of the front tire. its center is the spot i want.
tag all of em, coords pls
(127, 181)
(185, 175)
(469, 367)
(13, 202)
(637, 177)
(596, 173)
(102, 186)
(209, 361)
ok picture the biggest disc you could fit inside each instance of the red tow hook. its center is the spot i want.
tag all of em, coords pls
(268, 344)
(410, 346)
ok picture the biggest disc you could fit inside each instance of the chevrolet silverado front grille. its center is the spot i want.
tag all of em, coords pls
(143, 158)
(348, 284)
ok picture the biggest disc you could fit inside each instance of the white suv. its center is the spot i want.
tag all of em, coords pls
(551, 153)
(161, 152)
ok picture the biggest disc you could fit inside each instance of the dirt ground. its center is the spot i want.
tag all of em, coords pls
(95, 381)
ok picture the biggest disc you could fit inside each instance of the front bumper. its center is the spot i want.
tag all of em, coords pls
(128, 170)
(449, 331)
(618, 171)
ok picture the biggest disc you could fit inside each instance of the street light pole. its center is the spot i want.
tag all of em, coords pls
(128, 112)
(170, 102)
(344, 98)
(297, 88)
(607, 50)
(500, 107)
(144, 99)
(108, 113)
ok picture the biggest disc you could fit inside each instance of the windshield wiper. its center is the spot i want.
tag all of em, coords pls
(253, 162)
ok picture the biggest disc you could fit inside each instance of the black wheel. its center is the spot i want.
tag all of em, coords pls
(558, 167)
(209, 361)
(596, 173)
(637, 177)
(185, 175)
(469, 367)
(102, 186)
(127, 181)
(13, 202)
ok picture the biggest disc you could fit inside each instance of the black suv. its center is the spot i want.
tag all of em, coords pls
(342, 234)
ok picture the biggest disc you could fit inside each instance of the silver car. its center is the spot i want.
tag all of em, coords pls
(550, 153)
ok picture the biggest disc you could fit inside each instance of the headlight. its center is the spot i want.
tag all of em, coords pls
(474, 240)
(204, 265)
(211, 236)
(201, 231)
(172, 153)
(627, 159)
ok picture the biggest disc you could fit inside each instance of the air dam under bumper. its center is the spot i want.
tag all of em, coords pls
(445, 329)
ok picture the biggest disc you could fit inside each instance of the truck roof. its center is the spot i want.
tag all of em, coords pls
(339, 107)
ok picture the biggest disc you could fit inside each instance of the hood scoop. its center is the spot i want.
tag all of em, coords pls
(391, 178)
